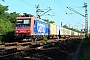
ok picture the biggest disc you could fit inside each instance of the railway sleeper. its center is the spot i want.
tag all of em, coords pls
(21, 58)
(8, 51)
(10, 44)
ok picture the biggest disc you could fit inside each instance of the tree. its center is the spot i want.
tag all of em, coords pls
(6, 19)
(12, 16)
(51, 22)
(47, 20)
(6, 25)
(3, 9)
(3, 0)
(65, 26)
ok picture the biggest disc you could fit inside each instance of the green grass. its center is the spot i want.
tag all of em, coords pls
(45, 38)
(70, 55)
(85, 50)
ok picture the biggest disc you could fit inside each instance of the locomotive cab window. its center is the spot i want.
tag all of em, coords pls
(25, 22)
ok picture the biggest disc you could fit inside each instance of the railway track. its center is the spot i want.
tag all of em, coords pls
(21, 50)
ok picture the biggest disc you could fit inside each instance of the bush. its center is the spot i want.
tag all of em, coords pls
(45, 38)
(0, 39)
(31, 39)
(8, 37)
(86, 57)
(89, 35)
(85, 50)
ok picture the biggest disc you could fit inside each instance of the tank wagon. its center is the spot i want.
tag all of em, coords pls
(28, 26)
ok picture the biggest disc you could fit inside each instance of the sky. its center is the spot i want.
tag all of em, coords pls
(58, 12)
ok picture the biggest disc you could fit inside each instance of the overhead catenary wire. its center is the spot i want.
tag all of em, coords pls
(47, 6)
(58, 3)
(46, 9)
(71, 14)
(66, 7)
(65, 10)
(24, 1)
(59, 6)
(27, 3)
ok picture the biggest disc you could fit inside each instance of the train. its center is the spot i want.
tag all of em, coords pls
(28, 26)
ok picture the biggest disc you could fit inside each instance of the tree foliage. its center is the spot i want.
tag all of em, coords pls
(47, 20)
(3, 0)
(51, 22)
(6, 20)
(12, 16)
(65, 26)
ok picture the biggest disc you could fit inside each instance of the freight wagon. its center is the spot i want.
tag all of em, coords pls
(40, 29)
(76, 34)
(64, 32)
(54, 31)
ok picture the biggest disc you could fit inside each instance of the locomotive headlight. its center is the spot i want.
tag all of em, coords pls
(17, 31)
(28, 30)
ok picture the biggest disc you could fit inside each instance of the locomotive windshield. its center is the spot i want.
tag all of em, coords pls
(23, 22)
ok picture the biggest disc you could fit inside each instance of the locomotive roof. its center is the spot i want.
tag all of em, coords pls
(24, 17)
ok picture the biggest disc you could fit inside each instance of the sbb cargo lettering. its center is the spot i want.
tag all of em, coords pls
(41, 28)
